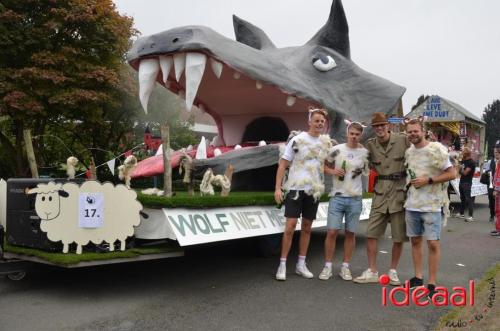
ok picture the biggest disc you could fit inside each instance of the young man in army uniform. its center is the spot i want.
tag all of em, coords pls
(387, 158)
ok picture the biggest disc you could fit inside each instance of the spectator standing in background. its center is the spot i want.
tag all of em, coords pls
(466, 173)
(489, 172)
(496, 191)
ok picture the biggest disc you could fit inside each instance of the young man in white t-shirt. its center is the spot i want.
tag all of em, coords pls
(429, 167)
(305, 154)
(351, 164)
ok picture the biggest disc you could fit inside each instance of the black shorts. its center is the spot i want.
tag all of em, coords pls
(304, 204)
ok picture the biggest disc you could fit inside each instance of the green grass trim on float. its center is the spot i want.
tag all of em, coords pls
(67, 259)
(235, 199)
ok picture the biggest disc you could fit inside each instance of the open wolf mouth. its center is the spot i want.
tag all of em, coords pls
(234, 98)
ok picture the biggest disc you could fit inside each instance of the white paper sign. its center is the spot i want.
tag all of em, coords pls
(202, 226)
(477, 188)
(454, 184)
(91, 210)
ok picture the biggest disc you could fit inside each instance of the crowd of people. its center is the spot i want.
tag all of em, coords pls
(410, 194)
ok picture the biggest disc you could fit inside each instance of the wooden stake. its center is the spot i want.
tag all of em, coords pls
(167, 168)
(30, 153)
(93, 171)
(229, 175)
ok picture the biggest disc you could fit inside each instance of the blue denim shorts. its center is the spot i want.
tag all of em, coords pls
(426, 224)
(350, 207)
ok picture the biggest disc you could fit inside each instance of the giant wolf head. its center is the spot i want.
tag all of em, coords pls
(255, 91)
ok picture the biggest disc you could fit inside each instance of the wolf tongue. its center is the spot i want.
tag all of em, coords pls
(195, 67)
(148, 70)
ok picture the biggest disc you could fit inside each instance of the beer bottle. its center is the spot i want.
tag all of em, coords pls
(412, 175)
(344, 166)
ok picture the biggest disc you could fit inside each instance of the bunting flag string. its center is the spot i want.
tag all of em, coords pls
(111, 163)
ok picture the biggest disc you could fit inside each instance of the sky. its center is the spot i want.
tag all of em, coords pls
(446, 47)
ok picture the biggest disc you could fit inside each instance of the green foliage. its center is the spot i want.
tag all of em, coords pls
(63, 73)
(164, 106)
(183, 200)
(421, 99)
(67, 259)
(491, 116)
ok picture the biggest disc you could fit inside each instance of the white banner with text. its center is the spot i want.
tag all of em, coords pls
(193, 227)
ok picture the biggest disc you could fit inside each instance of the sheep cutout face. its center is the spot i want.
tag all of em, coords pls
(92, 212)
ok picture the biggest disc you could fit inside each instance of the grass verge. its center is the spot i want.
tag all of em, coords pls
(484, 315)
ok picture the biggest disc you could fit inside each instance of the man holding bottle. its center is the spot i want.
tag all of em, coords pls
(386, 153)
(351, 163)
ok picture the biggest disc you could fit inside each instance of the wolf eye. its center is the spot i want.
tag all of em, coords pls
(323, 62)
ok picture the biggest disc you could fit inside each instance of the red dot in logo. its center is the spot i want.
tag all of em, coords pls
(384, 280)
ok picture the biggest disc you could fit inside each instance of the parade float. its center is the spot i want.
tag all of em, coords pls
(257, 95)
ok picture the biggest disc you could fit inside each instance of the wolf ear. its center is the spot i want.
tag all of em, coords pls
(250, 35)
(335, 33)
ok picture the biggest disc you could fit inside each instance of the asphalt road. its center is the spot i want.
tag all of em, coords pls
(228, 287)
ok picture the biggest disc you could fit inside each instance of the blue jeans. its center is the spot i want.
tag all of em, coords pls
(338, 207)
(426, 224)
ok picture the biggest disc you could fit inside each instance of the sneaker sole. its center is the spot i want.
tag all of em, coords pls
(281, 279)
(324, 278)
(305, 276)
(345, 278)
(393, 283)
(418, 286)
(365, 281)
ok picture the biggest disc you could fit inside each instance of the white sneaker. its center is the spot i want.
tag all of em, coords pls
(345, 273)
(303, 271)
(325, 274)
(281, 274)
(458, 215)
(367, 277)
(393, 278)
(470, 219)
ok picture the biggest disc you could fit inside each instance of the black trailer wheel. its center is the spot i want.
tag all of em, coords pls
(15, 276)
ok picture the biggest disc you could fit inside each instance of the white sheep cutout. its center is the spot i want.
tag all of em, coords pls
(71, 163)
(126, 169)
(209, 180)
(58, 207)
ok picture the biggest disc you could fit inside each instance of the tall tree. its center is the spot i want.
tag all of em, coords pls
(491, 116)
(421, 99)
(62, 70)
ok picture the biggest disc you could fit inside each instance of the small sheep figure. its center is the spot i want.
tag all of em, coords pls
(59, 208)
(71, 163)
(125, 170)
(209, 180)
